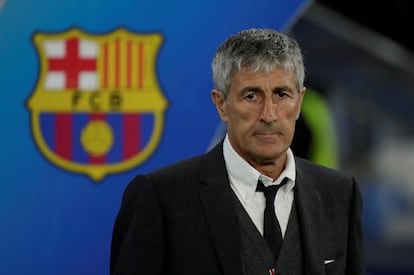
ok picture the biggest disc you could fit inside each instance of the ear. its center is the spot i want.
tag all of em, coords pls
(301, 96)
(219, 101)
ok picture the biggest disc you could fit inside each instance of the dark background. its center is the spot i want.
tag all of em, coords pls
(393, 19)
(360, 59)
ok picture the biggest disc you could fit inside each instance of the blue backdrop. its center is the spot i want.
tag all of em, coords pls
(58, 220)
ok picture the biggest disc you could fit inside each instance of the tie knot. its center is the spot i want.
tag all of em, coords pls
(269, 191)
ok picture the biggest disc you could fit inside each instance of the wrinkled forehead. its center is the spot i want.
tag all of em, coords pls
(276, 77)
(264, 67)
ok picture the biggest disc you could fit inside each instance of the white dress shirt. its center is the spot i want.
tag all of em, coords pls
(243, 180)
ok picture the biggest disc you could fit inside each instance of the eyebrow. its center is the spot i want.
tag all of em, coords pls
(274, 89)
(252, 88)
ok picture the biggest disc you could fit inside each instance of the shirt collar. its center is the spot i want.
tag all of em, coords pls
(243, 175)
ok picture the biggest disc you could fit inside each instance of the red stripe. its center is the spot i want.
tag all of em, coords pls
(63, 135)
(117, 63)
(97, 159)
(140, 65)
(105, 66)
(131, 140)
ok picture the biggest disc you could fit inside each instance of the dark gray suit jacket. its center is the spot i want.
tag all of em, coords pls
(181, 220)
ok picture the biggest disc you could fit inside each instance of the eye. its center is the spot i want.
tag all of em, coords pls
(281, 93)
(251, 95)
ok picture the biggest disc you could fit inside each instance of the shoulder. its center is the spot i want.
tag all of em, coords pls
(182, 174)
(190, 168)
(170, 179)
(183, 168)
(333, 187)
(311, 168)
(322, 176)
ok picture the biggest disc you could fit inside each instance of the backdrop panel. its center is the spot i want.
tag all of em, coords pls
(96, 92)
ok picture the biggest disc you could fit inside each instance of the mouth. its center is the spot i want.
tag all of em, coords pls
(268, 133)
(268, 136)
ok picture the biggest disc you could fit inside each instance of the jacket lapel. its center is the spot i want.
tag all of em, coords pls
(217, 202)
(310, 219)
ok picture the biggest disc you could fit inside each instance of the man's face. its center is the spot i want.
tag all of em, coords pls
(260, 112)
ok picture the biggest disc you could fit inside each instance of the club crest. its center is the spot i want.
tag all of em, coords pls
(97, 107)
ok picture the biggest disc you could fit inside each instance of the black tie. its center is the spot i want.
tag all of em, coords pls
(272, 233)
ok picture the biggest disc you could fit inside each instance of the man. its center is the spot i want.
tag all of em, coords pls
(210, 214)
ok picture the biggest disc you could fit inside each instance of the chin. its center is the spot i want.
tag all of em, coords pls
(272, 152)
(271, 155)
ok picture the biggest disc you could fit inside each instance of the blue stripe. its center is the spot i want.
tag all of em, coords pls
(79, 155)
(115, 154)
(47, 123)
(147, 128)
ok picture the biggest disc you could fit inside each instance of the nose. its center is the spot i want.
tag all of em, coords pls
(269, 111)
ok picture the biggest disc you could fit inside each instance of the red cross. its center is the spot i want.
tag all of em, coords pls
(72, 64)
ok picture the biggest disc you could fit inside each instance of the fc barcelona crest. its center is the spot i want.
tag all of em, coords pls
(97, 107)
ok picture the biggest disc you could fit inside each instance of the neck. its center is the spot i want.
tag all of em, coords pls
(273, 168)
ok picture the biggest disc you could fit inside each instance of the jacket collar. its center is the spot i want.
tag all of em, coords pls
(310, 213)
(217, 202)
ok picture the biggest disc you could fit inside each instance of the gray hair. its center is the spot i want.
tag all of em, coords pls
(259, 50)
